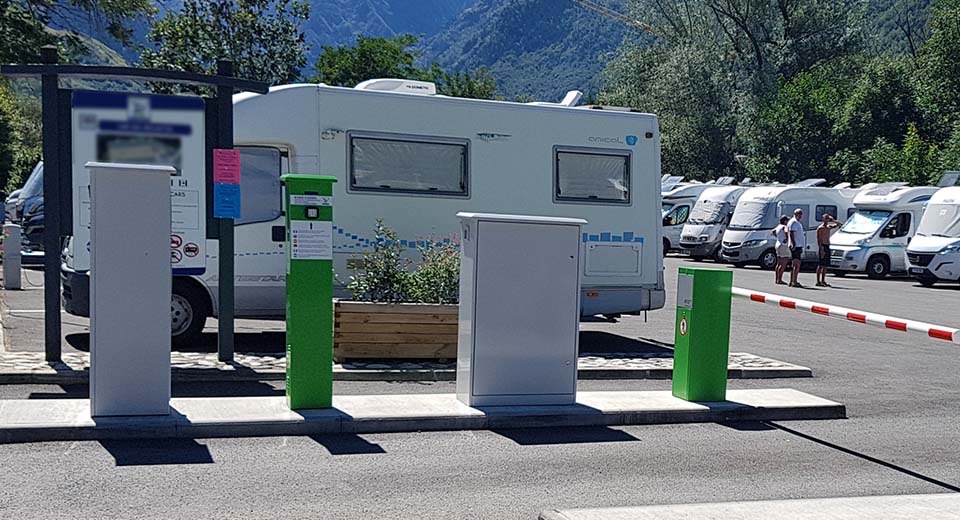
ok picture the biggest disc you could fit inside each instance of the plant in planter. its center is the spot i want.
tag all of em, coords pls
(397, 312)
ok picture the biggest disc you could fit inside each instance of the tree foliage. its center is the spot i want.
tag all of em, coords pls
(20, 146)
(792, 89)
(24, 24)
(395, 57)
(263, 38)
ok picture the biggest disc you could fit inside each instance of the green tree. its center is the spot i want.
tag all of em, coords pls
(263, 38)
(917, 162)
(950, 156)
(24, 24)
(881, 104)
(374, 57)
(938, 78)
(19, 140)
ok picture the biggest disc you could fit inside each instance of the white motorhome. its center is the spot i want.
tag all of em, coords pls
(703, 232)
(934, 253)
(678, 199)
(416, 160)
(874, 239)
(748, 237)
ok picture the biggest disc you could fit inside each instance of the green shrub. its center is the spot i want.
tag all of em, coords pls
(437, 278)
(384, 276)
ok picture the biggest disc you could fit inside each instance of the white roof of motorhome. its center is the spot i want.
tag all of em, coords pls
(950, 195)
(884, 196)
(722, 192)
(306, 88)
(768, 193)
(685, 190)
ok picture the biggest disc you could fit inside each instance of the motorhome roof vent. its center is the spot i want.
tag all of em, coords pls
(886, 188)
(725, 181)
(572, 99)
(399, 85)
(810, 183)
(843, 185)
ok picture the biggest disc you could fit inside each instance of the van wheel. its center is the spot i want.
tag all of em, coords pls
(768, 260)
(189, 310)
(927, 281)
(718, 255)
(878, 267)
(666, 246)
(839, 274)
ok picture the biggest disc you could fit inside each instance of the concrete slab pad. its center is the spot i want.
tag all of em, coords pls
(61, 419)
(898, 507)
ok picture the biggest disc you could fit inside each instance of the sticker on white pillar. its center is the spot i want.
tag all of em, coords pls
(311, 240)
(311, 200)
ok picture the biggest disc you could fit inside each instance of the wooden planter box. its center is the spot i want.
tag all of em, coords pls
(394, 330)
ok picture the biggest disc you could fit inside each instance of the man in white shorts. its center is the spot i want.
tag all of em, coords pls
(783, 249)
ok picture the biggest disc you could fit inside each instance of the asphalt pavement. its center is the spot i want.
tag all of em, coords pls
(901, 391)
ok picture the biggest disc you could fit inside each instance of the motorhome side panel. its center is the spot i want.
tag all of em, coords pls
(511, 155)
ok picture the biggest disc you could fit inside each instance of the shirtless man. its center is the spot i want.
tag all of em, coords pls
(823, 243)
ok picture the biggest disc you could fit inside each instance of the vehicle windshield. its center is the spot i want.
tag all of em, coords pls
(666, 209)
(751, 215)
(940, 220)
(34, 185)
(708, 212)
(865, 222)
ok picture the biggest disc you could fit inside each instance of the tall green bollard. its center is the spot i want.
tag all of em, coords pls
(702, 337)
(309, 240)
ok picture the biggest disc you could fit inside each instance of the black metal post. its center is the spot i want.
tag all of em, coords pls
(225, 344)
(51, 201)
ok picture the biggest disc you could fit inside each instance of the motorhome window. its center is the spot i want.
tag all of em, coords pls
(379, 164)
(865, 222)
(851, 211)
(753, 215)
(708, 212)
(665, 209)
(829, 210)
(899, 226)
(677, 216)
(940, 220)
(260, 195)
(592, 177)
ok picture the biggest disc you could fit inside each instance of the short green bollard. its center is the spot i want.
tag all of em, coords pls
(309, 241)
(702, 337)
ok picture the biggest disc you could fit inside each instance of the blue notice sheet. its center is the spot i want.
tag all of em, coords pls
(226, 200)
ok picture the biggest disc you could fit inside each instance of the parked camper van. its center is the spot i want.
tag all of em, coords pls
(934, 253)
(748, 239)
(703, 232)
(678, 200)
(415, 160)
(874, 239)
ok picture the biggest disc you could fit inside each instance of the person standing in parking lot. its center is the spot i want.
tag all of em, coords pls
(798, 240)
(823, 245)
(783, 249)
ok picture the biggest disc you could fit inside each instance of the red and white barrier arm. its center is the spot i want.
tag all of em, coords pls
(868, 318)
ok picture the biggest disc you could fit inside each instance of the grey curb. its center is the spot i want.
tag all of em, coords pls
(74, 377)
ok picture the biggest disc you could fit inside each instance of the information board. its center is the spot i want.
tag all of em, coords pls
(121, 127)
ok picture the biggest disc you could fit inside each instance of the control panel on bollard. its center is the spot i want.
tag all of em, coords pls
(309, 241)
(702, 337)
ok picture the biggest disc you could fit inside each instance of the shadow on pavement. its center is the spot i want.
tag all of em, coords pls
(572, 435)
(606, 343)
(245, 342)
(154, 452)
(868, 458)
(347, 444)
(180, 389)
(747, 426)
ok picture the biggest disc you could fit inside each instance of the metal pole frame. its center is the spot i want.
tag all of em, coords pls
(58, 185)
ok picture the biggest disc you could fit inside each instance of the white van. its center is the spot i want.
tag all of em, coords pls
(874, 239)
(416, 160)
(703, 232)
(748, 237)
(934, 253)
(678, 200)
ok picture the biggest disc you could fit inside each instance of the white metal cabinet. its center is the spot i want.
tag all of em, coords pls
(519, 309)
(130, 287)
